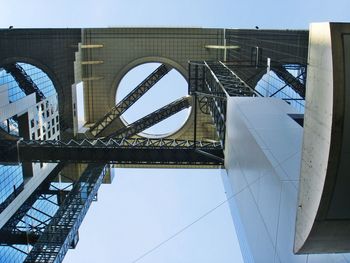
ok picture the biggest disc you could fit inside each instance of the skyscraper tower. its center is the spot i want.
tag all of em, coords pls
(62, 127)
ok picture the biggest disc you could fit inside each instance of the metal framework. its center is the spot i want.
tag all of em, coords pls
(204, 83)
(153, 118)
(289, 79)
(229, 81)
(17, 230)
(130, 99)
(62, 230)
(120, 151)
(24, 81)
(213, 82)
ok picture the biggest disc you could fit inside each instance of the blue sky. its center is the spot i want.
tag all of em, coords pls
(143, 208)
(202, 13)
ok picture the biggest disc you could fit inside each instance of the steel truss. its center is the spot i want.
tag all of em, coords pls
(62, 230)
(153, 118)
(120, 151)
(212, 82)
(130, 99)
(289, 79)
(24, 81)
(229, 81)
(18, 230)
(203, 83)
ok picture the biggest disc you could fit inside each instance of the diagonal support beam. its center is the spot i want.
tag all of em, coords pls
(130, 99)
(24, 81)
(18, 237)
(153, 118)
(289, 79)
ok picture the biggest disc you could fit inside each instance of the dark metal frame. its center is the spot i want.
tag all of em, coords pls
(152, 118)
(61, 232)
(129, 99)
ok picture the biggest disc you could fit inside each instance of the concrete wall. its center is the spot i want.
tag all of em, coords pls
(323, 220)
(262, 160)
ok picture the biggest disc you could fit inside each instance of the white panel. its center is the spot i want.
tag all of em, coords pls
(236, 176)
(17, 108)
(80, 105)
(286, 225)
(257, 236)
(263, 158)
(291, 166)
(4, 96)
(283, 143)
(240, 232)
(267, 192)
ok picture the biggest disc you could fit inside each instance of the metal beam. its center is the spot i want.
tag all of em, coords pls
(230, 82)
(12, 232)
(120, 151)
(153, 118)
(203, 80)
(222, 47)
(24, 81)
(61, 231)
(17, 238)
(289, 79)
(129, 100)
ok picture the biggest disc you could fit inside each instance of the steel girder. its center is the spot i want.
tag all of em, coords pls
(130, 99)
(24, 81)
(62, 230)
(153, 118)
(120, 151)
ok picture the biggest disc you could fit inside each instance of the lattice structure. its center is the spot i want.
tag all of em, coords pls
(289, 79)
(229, 81)
(130, 99)
(153, 118)
(121, 151)
(60, 233)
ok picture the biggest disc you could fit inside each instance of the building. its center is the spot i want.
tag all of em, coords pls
(246, 96)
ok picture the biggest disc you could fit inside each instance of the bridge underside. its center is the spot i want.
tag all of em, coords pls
(118, 151)
(99, 58)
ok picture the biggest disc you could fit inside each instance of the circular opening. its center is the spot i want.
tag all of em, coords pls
(169, 88)
(21, 79)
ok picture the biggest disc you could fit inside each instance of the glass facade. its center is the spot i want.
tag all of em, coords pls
(41, 80)
(41, 208)
(11, 176)
(270, 85)
(39, 77)
(11, 179)
(13, 254)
